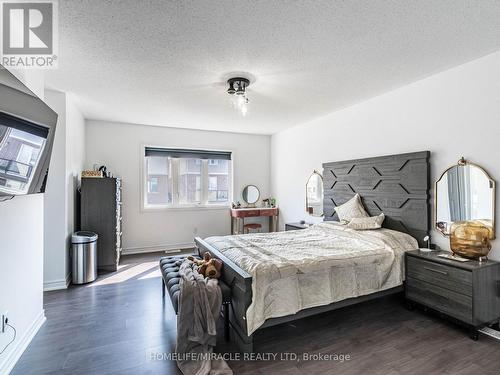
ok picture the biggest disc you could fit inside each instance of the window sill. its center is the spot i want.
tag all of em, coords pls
(185, 208)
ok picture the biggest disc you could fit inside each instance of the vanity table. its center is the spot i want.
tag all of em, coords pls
(238, 216)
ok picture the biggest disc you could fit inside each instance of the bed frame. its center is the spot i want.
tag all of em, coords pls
(397, 185)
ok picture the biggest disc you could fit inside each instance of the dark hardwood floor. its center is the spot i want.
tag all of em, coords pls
(113, 325)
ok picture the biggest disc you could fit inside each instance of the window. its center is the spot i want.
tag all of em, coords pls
(19, 154)
(218, 181)
(153, 185)
(176, 178)
(189, 181)
(159, 181)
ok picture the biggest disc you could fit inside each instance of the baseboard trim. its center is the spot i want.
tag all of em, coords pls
(57, 284)
(170, 248)
(22, 344)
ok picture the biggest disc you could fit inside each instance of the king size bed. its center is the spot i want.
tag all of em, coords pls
(284, 276)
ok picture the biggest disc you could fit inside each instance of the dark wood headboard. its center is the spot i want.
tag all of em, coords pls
(397, 185)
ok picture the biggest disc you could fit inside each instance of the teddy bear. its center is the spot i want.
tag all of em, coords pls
(208, 266)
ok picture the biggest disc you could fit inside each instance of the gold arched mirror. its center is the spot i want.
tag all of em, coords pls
(464, 193)
(314, 194)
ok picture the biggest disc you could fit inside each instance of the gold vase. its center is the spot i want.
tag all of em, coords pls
(470, 239)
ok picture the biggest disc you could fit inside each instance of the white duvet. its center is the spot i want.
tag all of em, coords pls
(325, 263)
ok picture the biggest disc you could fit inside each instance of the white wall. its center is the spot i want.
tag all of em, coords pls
(75, 161)
(21, 260)
(60, 198)
(455, 113)
(118, 146)
(54, 270)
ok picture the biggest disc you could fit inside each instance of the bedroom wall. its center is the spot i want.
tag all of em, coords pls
(54, 270)
(21, 259)
(75, 161)
(60, 198)
(455, 113)
(118, 146)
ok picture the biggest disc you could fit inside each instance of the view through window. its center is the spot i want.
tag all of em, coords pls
(19, 155)
(180, 179)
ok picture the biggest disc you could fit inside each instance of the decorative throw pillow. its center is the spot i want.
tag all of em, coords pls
(364, 223)
(351, 209)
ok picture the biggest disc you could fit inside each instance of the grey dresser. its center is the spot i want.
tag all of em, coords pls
(467, 291)
(101, 212)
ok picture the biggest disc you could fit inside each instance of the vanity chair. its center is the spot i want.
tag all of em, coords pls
(254, 226)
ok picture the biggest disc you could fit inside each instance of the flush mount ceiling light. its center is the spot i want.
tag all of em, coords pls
(237, 90)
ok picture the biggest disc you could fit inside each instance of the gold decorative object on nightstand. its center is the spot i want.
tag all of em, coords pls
(470, 239)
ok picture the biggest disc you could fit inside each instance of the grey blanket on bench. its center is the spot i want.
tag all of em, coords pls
(200, 302)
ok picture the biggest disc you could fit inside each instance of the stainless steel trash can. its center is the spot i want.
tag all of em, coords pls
(84, 257)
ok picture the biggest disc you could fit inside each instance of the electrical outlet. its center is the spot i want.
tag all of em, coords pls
(4, 321)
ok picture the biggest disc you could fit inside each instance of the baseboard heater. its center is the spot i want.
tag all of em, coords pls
(490, 332)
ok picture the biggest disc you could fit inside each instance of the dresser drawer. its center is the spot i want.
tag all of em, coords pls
(448, 277)
(250, 213)
(268, 212)
(441, 299)
(244, 213)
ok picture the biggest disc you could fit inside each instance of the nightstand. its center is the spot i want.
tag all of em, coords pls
(467, 291)
(295, 226)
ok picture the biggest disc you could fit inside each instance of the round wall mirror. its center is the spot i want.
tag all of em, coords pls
(251, 194)
(464, 193)
(314, 195)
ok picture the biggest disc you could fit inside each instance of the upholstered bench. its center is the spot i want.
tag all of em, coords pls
(169, 267)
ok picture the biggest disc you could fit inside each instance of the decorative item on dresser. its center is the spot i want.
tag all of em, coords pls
(467, 291)
(296, 226)
(101, 213)
(239, 214)
(92, 174)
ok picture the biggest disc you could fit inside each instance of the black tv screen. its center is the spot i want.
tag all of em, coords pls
(27, 128)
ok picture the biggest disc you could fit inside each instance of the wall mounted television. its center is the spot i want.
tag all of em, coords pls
(27, 129)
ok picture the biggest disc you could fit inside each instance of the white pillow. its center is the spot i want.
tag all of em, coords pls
(364, 223)
(353, 208)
